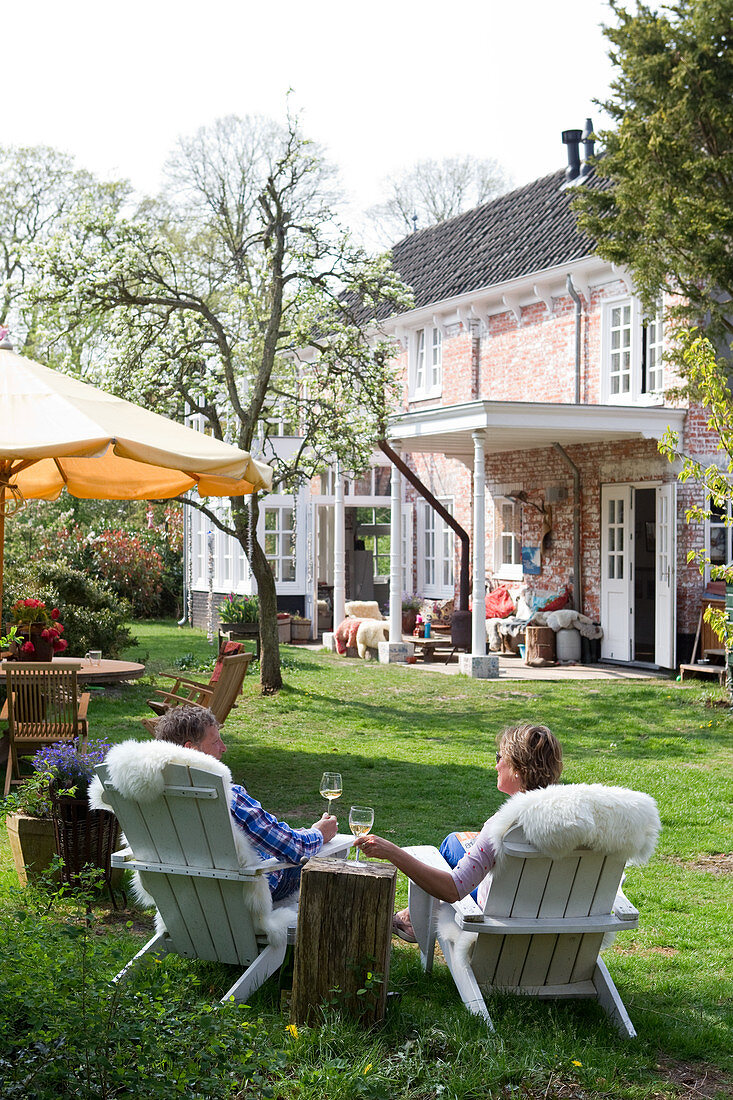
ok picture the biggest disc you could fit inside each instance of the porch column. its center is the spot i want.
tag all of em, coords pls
(477, 663)
(395, 650)
(478, 620)
(339, 551)
(395, 555)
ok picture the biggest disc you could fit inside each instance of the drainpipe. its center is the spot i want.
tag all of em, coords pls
(576, 298)
(577, 576)
(463, 582)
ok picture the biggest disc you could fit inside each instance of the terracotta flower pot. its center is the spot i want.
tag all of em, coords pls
(409, 617)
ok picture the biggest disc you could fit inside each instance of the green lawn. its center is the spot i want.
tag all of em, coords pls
(419, 746)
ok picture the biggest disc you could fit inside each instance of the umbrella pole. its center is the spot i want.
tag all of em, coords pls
(2, 550)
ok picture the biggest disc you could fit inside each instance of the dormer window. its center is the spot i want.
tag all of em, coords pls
(426, 374)
(633, 346)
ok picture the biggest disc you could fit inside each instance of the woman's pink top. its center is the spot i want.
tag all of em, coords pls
(473, 869)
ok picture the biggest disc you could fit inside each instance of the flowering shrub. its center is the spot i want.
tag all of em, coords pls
(94, 616)
(34, 612)
(239, 609)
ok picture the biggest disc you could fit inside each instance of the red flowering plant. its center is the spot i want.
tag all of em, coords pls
(31, 612)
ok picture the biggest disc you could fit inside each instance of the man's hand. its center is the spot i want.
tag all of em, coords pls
(328, 825)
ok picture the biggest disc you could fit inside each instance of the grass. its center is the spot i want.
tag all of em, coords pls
(419, 747)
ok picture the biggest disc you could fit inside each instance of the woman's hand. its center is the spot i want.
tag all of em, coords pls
(376, 846)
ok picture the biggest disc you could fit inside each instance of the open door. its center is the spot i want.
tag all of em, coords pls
(666, 581)
(616, 571)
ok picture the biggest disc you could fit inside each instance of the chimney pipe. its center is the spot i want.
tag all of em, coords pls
(571, 138)
(589, 140)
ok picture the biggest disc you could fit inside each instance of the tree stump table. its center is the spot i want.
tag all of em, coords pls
(342, 950)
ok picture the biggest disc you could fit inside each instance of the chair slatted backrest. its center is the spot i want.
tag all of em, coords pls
(531, 885)
(229, 684)
(190, 835)
(43, 702)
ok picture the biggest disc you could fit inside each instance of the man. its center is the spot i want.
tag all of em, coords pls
(197, 728)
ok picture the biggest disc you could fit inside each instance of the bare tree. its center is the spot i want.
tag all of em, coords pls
(435, 190)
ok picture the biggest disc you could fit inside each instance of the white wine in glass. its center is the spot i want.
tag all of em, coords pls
(331, 787)
(361, 819)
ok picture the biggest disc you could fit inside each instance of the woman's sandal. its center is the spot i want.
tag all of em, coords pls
(403, 929)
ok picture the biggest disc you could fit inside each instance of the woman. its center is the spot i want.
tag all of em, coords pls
(529, 757)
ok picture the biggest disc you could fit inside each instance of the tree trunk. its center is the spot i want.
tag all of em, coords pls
(342, 951)
(270, 673)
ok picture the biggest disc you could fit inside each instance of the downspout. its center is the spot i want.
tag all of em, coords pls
(464, 587)
(577, 575)
(576, 298)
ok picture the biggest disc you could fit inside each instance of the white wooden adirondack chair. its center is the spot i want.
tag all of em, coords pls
(554, 894)
(199, 869)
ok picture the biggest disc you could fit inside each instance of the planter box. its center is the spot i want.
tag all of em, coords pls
(33, 845)
(283, 629)
(300, 630)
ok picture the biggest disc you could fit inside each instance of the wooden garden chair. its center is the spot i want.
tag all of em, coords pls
(212, 904)
(219, 694)
(541, 928)
(43, 706)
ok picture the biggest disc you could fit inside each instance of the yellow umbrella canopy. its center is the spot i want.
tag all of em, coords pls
(57, 432)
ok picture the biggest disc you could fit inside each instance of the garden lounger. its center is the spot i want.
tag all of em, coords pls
(555, 893)
(193, 863)
(219, 694)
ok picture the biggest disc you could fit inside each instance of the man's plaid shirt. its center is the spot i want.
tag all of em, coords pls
(270, 836)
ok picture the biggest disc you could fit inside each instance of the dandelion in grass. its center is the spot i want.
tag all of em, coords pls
(576, 1062)
(367, 1067)
(293, 1030)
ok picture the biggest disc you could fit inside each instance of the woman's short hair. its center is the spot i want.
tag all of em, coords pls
(534, 752)
(185, 723)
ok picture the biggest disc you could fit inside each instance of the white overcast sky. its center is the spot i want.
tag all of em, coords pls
(380, 85)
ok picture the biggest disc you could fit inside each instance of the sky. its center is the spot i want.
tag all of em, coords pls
(380, 85)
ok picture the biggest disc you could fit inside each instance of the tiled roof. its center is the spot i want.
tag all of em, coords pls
(520, 233)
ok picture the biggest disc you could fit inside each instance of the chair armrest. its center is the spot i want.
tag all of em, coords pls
(83, 705)
(187, 682)
(623, 909)
(185, 699)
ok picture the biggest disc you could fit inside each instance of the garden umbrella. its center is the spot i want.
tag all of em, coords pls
(57, 432)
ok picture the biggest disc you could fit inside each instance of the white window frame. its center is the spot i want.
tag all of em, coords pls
(425, 374)
(281, 534)
(432, 566)
(644, 347)
(727, 529)
(507, 570)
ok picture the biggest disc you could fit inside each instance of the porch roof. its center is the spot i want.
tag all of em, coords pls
(526, 425)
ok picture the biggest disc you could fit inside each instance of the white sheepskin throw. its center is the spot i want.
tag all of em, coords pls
(136, 771)
(558, 819)
(370, 634)
(363, 609)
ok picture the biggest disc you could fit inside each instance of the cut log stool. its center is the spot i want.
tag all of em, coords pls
(344, 935)
(540, 646)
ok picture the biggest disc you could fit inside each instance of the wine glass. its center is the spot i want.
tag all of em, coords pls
(361, 819)
(331, 787)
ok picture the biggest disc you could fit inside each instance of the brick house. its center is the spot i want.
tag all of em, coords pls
(533, 398)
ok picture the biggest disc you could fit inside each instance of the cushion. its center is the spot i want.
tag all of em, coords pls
(499, 603)
(551, 601)
(227, 649)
